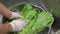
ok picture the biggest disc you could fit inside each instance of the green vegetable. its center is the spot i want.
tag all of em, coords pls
(44, 20)
(25, 30)
(38, 22)
(28, 12)
(29, 15)
(26, 9)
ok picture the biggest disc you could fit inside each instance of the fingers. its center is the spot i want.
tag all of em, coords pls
(26, 21)
(17, 15)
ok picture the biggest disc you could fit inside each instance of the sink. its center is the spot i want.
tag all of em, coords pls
(52, 6)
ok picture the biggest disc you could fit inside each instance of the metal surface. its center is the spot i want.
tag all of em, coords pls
(49, 5)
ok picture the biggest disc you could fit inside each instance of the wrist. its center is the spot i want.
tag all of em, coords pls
(11, 28)
(5, 28)
(12, 15)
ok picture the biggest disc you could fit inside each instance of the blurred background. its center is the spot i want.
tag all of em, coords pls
(48, 5)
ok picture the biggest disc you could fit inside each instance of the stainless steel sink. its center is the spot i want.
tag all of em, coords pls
(52, 6)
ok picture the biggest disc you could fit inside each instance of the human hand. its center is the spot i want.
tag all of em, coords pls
(14, 15)
(18, 25)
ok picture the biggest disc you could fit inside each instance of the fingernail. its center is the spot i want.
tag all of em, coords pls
(27, 21)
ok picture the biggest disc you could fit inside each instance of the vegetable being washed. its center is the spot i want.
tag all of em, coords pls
(28, 12)
(44, 20)
(26, 9)
(38, 22)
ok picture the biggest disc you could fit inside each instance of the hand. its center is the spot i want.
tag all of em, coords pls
(18, 24)
(14, 15)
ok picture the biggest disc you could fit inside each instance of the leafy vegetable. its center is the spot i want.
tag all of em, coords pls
(38, 21)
